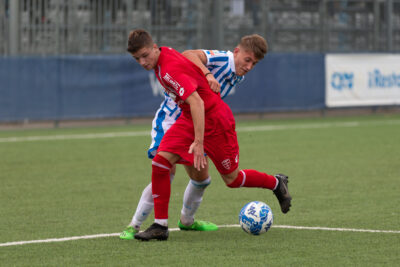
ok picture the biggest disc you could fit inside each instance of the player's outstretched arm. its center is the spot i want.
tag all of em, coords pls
(197, 112)
(200, 60)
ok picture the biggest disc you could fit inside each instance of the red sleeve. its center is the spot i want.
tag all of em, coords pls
(182, 84)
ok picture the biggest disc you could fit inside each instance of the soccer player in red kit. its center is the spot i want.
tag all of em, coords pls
(206, 125)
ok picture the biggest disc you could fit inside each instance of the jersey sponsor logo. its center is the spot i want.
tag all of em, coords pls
(171, 81)
(226, 163)
(166, 88)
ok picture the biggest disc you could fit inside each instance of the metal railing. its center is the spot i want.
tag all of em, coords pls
(54, 27)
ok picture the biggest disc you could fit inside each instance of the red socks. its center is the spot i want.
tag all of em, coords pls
(161, 186)
(253, 178)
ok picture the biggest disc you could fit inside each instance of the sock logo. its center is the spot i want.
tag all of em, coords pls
(155, 195)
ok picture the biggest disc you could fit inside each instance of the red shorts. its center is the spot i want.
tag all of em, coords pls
(220, 139)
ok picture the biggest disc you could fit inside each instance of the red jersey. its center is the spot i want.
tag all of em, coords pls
(180, 78)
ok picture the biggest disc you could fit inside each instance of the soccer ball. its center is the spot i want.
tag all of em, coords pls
(256, 217)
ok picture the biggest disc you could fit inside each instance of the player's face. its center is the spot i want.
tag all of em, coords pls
(244, 61)
(147, 57)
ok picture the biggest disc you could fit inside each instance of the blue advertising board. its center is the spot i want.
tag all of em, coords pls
(82, 87)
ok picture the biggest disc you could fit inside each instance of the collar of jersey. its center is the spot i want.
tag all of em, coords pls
(233, 68)
(231, 61)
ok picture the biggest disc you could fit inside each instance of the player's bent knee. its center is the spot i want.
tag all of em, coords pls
(172, 158)
(238, 181)
(232, 179)
(197, 175)
(161, 162)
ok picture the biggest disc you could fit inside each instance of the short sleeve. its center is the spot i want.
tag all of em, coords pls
(215, 57)
(182, 84)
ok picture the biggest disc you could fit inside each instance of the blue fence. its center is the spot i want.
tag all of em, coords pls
(80, 87)
(282, 82)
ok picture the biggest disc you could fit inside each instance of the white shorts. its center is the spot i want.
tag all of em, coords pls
(165, 117)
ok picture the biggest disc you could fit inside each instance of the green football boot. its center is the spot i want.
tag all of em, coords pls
(128, 233)
(198, 226)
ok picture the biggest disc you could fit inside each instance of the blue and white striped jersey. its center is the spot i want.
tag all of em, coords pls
(222, 65)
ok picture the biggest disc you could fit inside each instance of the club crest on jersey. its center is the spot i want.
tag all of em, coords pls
(181, 91)
(226, 163)
(171, 81)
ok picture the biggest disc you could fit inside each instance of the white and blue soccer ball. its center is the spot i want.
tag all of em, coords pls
(256, 217)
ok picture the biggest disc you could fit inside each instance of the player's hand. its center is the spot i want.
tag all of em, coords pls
(213, 83)
(198, 153)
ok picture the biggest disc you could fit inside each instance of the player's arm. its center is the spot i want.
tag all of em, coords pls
(200, 60)
(197, 112)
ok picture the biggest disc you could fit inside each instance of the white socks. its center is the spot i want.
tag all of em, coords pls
(144, 207)
(192, 200)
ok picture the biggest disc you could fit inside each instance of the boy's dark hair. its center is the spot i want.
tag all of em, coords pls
(256, 44)
(138, 39)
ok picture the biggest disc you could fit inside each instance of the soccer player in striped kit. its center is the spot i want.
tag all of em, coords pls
(223, 70)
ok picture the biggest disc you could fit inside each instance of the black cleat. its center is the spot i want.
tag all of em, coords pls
(155, 231)
(282, 193)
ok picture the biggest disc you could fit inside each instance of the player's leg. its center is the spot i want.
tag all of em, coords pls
(164, 118)
(192, 198)
(143, 210)
(146, 204)
(174, 148)
(252, 178)
(161, 191)
(223, 149)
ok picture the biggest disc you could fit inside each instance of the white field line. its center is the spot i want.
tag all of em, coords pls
(73, 136)
(239, 129)
(52, 240)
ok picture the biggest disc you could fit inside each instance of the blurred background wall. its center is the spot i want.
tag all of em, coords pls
(67, 60)
(57, 27)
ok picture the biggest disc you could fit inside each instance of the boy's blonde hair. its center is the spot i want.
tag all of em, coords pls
(256, 44)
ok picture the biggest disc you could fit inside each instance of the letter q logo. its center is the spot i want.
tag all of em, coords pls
(181, 91)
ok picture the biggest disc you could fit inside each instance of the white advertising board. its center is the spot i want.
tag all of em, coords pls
(362, 79)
